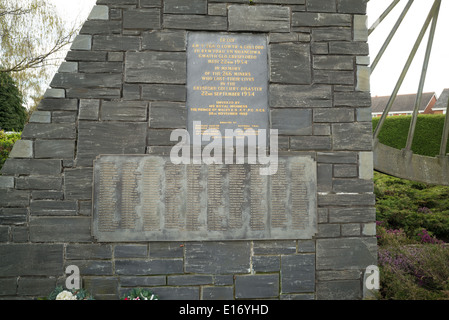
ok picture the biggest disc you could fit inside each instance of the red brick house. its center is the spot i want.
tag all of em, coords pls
(403, 104)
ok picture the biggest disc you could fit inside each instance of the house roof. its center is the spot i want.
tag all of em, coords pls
(442, 100)
(402, 103)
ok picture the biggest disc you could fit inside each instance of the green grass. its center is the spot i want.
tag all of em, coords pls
(427, 138)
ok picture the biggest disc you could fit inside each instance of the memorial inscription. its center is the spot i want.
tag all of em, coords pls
(227, 83)
(147, 198)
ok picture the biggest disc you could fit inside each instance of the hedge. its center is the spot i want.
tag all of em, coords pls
(7, 141)
(428, 133)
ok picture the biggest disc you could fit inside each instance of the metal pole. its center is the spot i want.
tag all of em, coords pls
(391, 35)
(445, 136)
(411, 132)
(383, 16)
(405, 70)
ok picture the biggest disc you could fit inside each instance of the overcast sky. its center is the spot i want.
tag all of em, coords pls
(388, 70)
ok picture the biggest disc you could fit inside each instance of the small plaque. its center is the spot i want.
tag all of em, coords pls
(227, 83)
(147, 198)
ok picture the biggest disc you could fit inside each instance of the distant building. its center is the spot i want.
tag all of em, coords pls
(441, 106)
(403, 104)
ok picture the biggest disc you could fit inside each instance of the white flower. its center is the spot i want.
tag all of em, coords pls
(65, 295)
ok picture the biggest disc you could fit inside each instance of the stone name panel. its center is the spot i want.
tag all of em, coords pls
(147, 198)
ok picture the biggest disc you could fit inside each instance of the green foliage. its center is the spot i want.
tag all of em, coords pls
(12, 113)
(412, 206)
(414, 272)
(6, 143)
(140, 294)
(427, 138)
(80, 294)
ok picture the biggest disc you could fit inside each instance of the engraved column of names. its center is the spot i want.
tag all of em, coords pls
(151, 196)
(299, 197)
(173, 188)
(130, 197)
(215, 219)
(237, 175)
(107, 220)
(193, 198)
(279, 198)
(258, 194)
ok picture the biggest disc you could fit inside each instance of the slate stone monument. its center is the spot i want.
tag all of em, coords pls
(92, 183)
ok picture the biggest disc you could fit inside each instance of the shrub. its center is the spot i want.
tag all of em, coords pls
(12, 113)
(412, 206)
(6, 143)
(414, 272)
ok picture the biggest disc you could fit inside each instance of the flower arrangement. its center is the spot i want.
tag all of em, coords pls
(63, 294)
(140, 294)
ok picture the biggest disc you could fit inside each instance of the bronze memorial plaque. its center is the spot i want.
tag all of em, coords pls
(227, 83)
(148, 198)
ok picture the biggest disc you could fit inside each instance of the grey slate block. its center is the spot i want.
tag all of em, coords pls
(53, 208)
(58, 105)
(167, 40)
(88, 251)
(167, 115)
(217, 293)
(305, 143)
(124, 111)
(78, 183)
(257, 286)
(195, 22)
(31, 259)
(142, 19)
(185, 7)
(60, 229)
(32, 167)
(110, 138)
(221, 257)
(259, 18)
(59, 149)
(333, 115)
(100, 67)
(40, 117)
(312, 19)
(115, 43)
(14, 198)
(292, 121)
(39, 183)
(164, 92)
(290, 63)
(352, 136)
(49, 131)
(346, 253)
(148, 267)
(89, 109)
(298, 273)
(101, 27)
(156, 67)
(22, 149)
(300, 96)
(86, 80)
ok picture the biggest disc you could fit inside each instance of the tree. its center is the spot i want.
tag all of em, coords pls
(32, 39)
(12, 113)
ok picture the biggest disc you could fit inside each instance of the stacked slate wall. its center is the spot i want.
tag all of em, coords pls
(121, 90)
